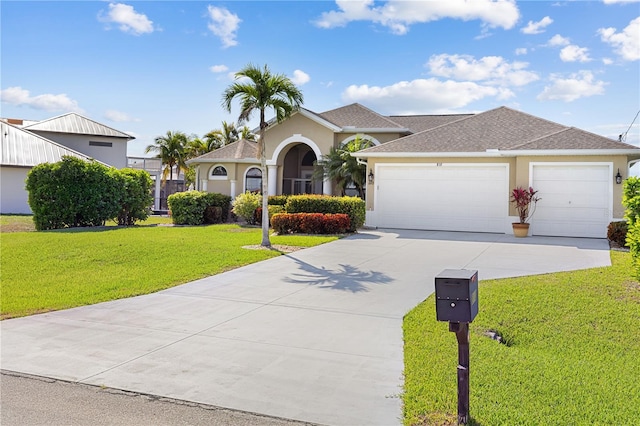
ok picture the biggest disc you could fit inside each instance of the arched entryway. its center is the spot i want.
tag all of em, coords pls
(298, 166)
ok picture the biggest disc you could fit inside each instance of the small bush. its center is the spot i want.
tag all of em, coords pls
(198, 207)
(617, 232)
(245, 205)
(310, 223)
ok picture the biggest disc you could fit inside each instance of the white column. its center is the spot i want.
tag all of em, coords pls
(326, 187)
(273, 179)
(233, 188)
(203, 184)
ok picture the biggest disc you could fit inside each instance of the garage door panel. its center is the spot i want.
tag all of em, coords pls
(575, 199)
(459, 198)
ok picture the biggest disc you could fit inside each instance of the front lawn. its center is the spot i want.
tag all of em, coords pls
(571, 355)
(43, 271)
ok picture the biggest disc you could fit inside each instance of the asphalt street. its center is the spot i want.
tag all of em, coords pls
(32, 401)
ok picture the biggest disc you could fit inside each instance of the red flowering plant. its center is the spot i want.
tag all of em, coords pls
(525, 201)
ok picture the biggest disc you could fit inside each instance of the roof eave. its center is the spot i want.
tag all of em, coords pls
(224, 160)
(501, 153)
(348, 129)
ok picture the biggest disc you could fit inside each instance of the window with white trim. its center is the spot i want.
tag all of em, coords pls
(253, 180)
(218, 173)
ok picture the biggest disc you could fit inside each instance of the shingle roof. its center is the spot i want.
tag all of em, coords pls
(239, 150)
(501, 128)
(419, 123)
(359, 117)
(75, 123)
(25, 149)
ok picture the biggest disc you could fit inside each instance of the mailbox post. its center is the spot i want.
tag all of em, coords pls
(457, 302)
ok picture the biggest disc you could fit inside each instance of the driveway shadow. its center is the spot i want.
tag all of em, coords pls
(347, 278)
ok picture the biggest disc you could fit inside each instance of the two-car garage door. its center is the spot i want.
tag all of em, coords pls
(448, 197)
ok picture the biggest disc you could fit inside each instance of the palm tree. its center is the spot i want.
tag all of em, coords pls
(258, 90)
(246, 134)
(171, 150)
(339, 165)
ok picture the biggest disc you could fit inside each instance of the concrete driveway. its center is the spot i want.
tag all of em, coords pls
(315, 335)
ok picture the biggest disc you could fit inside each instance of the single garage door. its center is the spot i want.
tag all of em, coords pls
(448, 197)
(576, 199)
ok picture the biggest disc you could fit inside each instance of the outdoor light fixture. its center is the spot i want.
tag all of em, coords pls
(371, 176)
(618, 178)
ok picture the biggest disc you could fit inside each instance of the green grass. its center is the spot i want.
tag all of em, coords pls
(43, 271)
(571, 358)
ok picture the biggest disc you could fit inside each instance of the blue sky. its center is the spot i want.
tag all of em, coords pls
(148, 67)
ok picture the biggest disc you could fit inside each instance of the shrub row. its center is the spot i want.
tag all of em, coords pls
(354, 207)
(198, 207)
(74, 192)
(310, 223)
(631, 201)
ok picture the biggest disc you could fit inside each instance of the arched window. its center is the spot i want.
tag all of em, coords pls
(219, 173)
(253, 181)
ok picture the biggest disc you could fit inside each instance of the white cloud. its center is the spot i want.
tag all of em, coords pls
(573, 53)
(128, 19)
(521, 51)
(579, 85)
(300, 77)
(607, 61)
(558, 40)
(224, 24)
(218, 68)
(399, 15)
(118, 116)
(47, 102)
(625, 43)
(620, 1)
(421, 96)
(537, 27)
(492, 70)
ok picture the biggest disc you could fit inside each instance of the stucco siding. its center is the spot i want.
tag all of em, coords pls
(14, 197)
(297, 125)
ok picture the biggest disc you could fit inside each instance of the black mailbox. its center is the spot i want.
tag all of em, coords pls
(457, 295)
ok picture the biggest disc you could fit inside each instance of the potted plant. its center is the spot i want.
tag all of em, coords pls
(525, 202)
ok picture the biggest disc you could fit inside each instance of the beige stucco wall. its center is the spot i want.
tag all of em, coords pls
(235, 171)
(297, 125)
(518, 171)
(13, 195)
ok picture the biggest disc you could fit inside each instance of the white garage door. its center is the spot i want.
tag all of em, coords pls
(576, 199)
(449, 197)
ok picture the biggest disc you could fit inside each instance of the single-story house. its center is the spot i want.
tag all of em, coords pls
(26, 144)
(442, 172)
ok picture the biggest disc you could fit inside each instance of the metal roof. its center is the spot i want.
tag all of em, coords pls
(76, 123)
(25, 149)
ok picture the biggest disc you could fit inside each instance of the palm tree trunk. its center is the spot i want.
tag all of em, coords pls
(265, 184)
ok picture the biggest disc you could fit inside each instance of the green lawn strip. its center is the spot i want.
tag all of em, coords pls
(43, 271)
(571, 356)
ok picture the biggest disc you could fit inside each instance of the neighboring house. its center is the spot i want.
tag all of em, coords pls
(443, 172)
(26, 144)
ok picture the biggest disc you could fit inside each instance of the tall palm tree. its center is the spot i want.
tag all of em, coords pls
(339, 165)
(258, 90)
(171, 150)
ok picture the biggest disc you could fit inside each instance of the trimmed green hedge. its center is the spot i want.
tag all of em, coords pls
(74, 192)
(631, 201)
(354, 207)
(198, 207)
